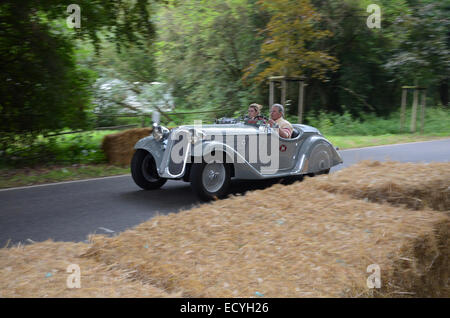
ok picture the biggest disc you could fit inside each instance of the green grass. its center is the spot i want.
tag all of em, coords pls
(347, 142)
(31, 176)
(437, 123)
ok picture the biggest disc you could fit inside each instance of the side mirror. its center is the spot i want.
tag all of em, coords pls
(155, 117)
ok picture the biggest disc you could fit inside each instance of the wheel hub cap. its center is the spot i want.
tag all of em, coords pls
(213, 177)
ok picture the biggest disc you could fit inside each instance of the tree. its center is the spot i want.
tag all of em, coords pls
(289, 48)
(356, 85)
(361, 84)
(42, 87)
(204, 48)
(421, 52)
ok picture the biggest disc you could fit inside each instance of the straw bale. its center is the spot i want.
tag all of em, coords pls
(119, 147)
(414, 185)
(311, 243)
(40, 270)
(310, 239)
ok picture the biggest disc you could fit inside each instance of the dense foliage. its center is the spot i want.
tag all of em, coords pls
(44, 87)
(220, 53)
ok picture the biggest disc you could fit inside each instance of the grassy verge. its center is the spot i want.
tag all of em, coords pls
(347, 142)
(31, 176)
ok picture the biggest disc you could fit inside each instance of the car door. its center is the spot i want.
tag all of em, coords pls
(288, 151)
(283, 158)
(258, 151)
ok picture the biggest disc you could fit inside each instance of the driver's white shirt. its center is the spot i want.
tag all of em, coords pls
(285, 125)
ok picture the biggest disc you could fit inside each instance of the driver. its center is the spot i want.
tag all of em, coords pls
(285, 128)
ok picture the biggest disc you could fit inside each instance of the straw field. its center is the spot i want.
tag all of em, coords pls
(318, 238)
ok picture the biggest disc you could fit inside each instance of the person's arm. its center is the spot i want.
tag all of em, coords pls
(285, 132)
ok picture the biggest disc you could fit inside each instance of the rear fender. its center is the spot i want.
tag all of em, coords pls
(316, 154)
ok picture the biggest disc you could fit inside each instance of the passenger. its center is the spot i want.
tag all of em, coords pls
(285, 128)
(254, 111)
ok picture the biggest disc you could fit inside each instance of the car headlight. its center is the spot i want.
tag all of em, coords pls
(157, 132)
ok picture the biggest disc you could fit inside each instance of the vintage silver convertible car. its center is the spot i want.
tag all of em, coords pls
(208, 156)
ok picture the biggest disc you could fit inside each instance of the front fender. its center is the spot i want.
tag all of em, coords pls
(155, 148)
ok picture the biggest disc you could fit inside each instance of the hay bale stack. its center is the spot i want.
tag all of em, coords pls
(119, 147)
(311, 243)
(40, 270)
(311, 239)
(415, 185)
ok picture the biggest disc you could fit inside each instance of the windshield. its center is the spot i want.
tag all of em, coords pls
(258, 121)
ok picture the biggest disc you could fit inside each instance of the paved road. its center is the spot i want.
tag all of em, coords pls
(73, 210)
(427, 151)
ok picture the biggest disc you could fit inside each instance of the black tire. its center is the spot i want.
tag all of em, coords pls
(143, 171)
(201, 190)
(291, 179)
(326, 171)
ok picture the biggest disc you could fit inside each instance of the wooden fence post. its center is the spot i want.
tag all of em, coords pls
(414, 110)
(403, 109)
(283, 92)
(271, 93)
(300, 101)
(422, 111)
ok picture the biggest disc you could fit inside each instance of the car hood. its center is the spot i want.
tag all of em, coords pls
(240, 128)
(234, 129)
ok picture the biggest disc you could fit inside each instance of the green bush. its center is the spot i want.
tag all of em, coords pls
(437, 122)
(79, 148)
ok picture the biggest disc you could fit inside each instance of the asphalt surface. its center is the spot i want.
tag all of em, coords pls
(71, 211)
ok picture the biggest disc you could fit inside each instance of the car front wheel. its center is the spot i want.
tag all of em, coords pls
(143, 171)
(210, 180)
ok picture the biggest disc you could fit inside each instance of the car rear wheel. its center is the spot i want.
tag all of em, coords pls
(210, 180)
(326, 171)
(143, 171)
